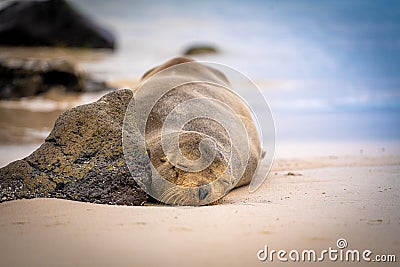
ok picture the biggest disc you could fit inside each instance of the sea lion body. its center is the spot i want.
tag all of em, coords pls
(177, 83)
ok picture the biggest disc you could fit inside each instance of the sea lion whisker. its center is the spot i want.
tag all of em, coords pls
(181, 199)
(176, 199)
(185, 199)
(172, 195)
(166, 192)
(166, 196)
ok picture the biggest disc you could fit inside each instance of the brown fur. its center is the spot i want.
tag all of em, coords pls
(194, 131)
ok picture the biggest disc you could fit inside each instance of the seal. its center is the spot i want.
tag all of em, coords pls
(199, 134)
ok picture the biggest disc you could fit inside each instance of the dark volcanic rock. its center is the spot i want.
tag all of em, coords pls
(29, 77)
(82, 159)
(200, 49)
(50, 23)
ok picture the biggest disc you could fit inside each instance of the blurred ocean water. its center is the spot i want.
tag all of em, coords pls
(329, 69)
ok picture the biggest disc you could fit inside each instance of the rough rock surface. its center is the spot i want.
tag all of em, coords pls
(82, 159)
(50, 23)
(29, 77)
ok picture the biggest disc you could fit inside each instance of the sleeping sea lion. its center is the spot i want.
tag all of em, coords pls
(199, 134)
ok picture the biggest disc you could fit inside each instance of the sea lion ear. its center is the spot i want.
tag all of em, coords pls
(169, 63)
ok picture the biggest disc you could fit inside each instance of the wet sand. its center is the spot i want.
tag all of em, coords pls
(298, 207)
(30, 119)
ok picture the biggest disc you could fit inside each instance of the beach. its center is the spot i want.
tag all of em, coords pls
(317, 192)
(300, 206)
(327, 73)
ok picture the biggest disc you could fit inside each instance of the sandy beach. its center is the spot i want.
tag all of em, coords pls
(327, 70)
(300, 206)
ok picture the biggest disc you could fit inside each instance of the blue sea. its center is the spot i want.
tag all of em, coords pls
(330, 70)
